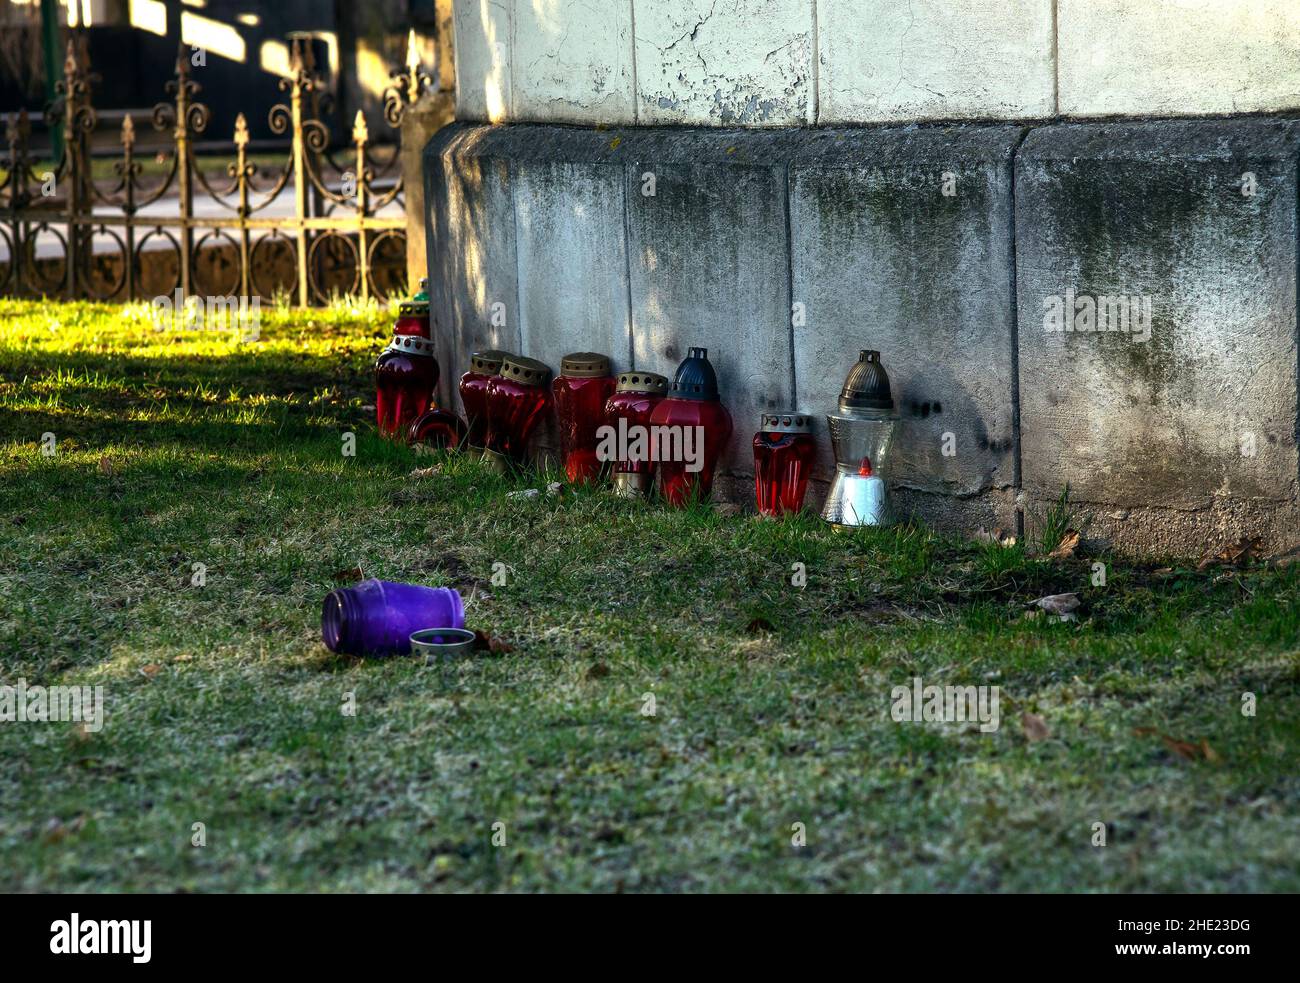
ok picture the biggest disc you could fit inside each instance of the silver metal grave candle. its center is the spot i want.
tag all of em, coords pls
(861, 435)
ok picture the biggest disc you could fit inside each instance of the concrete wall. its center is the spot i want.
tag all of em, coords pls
(714, 193)
(948, 248)
(791, 62)
(1180, 430)
(902, 242)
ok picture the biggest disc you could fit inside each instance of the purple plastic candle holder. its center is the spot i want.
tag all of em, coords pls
(378, 617)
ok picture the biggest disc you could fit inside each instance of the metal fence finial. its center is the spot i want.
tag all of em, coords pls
(409, 84)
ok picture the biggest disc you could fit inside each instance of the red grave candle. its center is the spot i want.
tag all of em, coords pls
(699, 427)
(628, 412)
(406, 373)
(516, 401)
(473, 393)
(580, 392)
(784, 450)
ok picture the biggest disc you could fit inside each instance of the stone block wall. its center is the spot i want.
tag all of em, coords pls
(1183, 427)
(972, 188)
(954, 250)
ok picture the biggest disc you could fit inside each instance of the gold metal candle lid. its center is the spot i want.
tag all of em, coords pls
(488, 362)
(584, 365)
(787, 422)
(642, 382)
(525, 371)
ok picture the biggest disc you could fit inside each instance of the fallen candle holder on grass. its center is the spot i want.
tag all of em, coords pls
(378, 617)
(436, 644)
(437, 429)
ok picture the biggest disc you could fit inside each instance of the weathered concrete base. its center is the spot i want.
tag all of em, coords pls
(785, 252)
(1172, 391)
(1160, 532)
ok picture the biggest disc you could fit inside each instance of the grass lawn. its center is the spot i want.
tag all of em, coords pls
(771, 702)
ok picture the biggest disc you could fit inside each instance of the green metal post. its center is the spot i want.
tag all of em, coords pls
(50, 51)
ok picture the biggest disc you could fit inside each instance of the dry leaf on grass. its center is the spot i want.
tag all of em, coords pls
(150, 670)
(598, 671)
(483, 642)
(1066, 547)
(1242, 550)
(1034, 726)
(348, 576)
(1184, 749)
(105, 466)
(1187, 750)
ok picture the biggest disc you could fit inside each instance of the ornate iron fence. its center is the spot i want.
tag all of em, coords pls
(96, 234)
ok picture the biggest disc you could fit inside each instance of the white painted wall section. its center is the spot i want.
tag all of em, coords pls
(779, 63)
(1178, 57)
(573, 61)
(897, 60)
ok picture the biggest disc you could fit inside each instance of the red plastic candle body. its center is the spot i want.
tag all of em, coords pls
(437, 429)
(406, 373)
(473, 393)
(628, 411)
(701, 428)
(516, 401)
(784, 450)
(580, 392)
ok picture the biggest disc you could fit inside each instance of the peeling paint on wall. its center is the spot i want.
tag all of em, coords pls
(725, 62)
